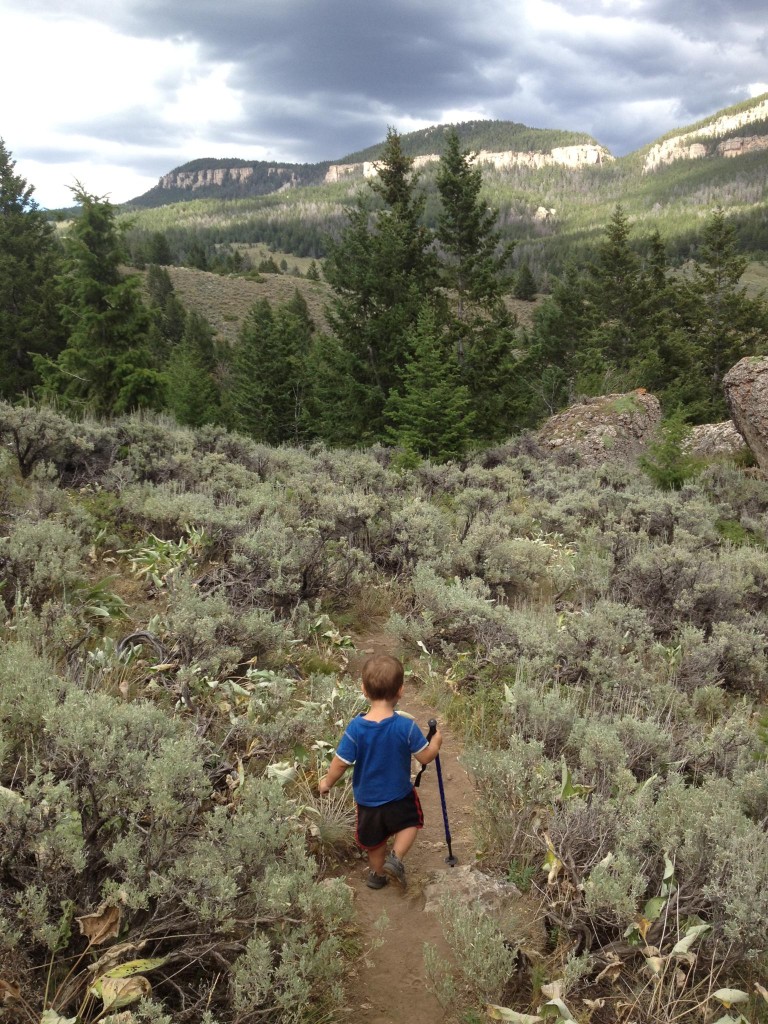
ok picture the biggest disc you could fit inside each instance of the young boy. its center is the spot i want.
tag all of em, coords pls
(380, 745)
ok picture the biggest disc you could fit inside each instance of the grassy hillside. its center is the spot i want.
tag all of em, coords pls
(225, 300)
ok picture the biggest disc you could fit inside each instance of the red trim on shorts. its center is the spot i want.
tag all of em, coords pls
(418, 808)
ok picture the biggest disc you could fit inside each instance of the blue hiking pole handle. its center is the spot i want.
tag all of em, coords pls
(450, 859)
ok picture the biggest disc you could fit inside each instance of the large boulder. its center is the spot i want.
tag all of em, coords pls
(611, 428)
(746, 392)
(711, 440)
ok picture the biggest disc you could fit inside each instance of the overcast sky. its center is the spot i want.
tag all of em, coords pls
(115, 93)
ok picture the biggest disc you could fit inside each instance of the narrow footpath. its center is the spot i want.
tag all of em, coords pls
(389, 984)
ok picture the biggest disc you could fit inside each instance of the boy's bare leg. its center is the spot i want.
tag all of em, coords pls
(376, 859)
(403, 842)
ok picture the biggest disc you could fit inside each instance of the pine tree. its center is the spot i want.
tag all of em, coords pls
(525, 283)
(269, 373)
(381, 271)
(474, 262)
(431, 414)
(475, 275)
(158, 250)
(167, 312)
(29, 257)
(106, 365)
(726, 324)
(192, 392)
(615, 289)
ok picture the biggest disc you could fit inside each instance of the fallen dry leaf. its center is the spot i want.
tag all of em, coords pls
(9, 993)
(117, 992)
(101, 925)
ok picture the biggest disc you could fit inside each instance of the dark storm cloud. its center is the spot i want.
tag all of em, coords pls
(320, 78)
(134, 126)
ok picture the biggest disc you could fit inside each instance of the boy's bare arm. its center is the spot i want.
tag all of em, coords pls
(430, 752)
(336, 769)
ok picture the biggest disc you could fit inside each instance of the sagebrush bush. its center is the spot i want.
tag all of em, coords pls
(173, 668)
(111, 809)
(483, 961)
(40, 559)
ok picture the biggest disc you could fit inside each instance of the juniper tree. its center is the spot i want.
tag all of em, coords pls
(29, 257)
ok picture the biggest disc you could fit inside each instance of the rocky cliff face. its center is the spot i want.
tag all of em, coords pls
(682, 147)
(221, 176)
(564, 156)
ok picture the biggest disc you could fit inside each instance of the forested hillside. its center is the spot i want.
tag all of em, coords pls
(411, 340)
(552, 211)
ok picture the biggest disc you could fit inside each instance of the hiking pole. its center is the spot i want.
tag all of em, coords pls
(450, 859)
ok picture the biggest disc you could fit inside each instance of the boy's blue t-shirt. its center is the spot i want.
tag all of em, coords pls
(381, 755)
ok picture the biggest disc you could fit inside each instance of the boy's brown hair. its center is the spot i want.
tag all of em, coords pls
(382, 677)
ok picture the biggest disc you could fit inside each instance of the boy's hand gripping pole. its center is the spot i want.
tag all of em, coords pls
(450, 859)
(430, 734)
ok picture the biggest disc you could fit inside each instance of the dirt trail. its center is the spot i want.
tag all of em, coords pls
(389, 984)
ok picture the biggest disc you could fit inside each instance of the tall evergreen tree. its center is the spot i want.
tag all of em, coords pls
(168, 315)
(723, 322)
(474, 262)
(431, 414)
(615, 290)
(381, 270)
(106, 365)
(269, 373)
(475, 275)
(29, 256)
(525, 283)
(192, 392)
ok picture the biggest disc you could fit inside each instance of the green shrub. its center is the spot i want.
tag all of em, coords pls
(111, 815)
(482, 960)
(40, 559)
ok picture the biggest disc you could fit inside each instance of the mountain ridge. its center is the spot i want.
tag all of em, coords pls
(505, 144)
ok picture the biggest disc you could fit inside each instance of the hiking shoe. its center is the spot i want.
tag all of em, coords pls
(395, 868)
(375, 881)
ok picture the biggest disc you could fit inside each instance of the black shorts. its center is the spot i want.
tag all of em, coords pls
(376, 824)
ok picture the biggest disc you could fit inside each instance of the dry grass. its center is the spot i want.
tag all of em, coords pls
(225, 300)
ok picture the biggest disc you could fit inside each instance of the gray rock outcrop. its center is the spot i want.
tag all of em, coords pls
(516, 917)
(691, 146)
(746, 392)
(709, 440)
(611, 428)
